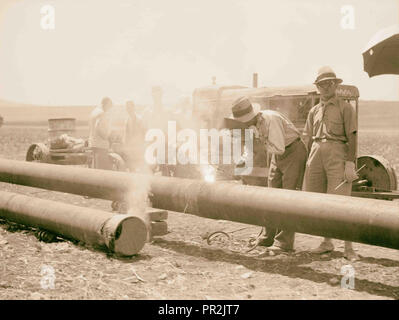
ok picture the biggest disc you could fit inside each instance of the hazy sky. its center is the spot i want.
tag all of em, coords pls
(121, 48)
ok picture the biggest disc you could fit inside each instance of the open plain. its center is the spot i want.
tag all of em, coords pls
(181, 265)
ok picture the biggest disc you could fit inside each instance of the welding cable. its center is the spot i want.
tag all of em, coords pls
(213, 234)
(253, 242)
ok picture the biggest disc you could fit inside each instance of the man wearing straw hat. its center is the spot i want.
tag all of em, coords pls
(330, 133)
(282, 140)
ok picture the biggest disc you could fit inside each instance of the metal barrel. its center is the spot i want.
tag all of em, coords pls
(369, 221)
(122, 234)
(59, 126)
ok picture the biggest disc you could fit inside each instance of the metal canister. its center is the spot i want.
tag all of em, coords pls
(59, 126)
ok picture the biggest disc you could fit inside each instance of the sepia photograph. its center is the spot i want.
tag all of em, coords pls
(213, 152)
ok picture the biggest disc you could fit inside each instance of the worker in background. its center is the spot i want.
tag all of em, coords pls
(99, 130)
(283, 141)
(330, 133)
(134, 147)
(158, 119)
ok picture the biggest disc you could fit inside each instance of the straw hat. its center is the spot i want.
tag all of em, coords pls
(243, 110)
(326, 73)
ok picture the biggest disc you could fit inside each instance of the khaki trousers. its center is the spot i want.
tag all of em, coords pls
(325, 168)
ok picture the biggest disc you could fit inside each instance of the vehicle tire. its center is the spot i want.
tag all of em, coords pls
(37, 152)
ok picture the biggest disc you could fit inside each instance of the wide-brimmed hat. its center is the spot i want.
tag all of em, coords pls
(326, 73)
(243, 110)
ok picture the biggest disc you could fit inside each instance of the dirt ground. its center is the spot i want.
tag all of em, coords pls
(181, 265)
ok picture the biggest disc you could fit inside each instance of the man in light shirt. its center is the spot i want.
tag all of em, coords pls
(99, 130)
(134, 143)
(330, 132)
(282, 140)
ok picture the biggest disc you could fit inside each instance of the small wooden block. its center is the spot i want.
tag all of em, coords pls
(159, 228)
(156, 214)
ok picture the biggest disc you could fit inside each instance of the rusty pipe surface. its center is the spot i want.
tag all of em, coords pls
(122, 234)
(369, 221)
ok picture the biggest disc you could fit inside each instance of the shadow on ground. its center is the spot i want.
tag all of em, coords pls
(296, 268)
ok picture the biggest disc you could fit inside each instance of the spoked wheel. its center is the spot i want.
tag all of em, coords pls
(37, 152)
(377, 175)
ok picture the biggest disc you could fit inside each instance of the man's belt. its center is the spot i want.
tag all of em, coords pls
(327, 140)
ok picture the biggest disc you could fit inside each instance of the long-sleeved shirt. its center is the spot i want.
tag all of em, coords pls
(276, 131)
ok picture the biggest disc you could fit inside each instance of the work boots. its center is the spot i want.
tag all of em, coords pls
(268, 239)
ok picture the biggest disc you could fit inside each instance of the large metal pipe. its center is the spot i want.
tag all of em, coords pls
(122, 234)
(369, 221)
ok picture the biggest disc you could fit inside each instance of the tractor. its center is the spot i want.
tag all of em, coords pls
(63, 148)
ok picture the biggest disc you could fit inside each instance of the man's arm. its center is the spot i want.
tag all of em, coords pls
(352, 147)
(350, 125)
(350, 163)
(350, 131)
(276, 139)
(308, 131)
(308, 142)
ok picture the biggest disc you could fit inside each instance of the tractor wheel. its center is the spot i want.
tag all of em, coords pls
(37, 152)
(378, 172)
